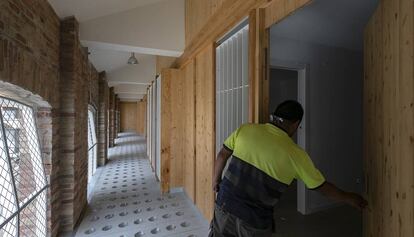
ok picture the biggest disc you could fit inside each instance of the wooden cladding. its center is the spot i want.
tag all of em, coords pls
(197, 14)
(188, 93)
(389, 120)
(128, 116)
(141, 117)
(169, 127)
(207, 21)
(133, 116)
(188, 132)
(258, 67)
(187, 127)
(172, 128)
(163, 62)
(205, 130)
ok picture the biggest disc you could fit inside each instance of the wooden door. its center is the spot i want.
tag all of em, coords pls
(128, 116)
(388, 120)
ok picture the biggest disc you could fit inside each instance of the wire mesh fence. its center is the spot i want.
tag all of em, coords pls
(22, 177)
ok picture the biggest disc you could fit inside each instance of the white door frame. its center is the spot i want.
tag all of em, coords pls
(303, 130)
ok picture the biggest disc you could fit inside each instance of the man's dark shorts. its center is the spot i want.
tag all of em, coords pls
(225, 224)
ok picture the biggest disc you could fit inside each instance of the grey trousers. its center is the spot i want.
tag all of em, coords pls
(227, 225)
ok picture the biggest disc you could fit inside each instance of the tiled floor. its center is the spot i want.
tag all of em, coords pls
(127, 202)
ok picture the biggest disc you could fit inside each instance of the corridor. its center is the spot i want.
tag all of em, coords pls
(126, 200)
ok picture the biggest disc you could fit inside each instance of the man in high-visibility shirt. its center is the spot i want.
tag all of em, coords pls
(265, 162)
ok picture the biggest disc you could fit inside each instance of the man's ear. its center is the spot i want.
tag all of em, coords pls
(296, 124)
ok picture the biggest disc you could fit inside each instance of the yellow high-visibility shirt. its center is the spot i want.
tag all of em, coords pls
(271, 150)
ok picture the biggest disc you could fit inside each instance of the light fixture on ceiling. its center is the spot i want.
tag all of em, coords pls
(132, 59)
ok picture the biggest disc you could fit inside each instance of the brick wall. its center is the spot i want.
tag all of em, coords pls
(103, 120)
(42, 55)
(29, 59)
(79, 87)
(29, 47)
(93, 87)
(48, 124)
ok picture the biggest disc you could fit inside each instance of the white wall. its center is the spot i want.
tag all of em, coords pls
(334, 139)
(158, 26)
(283, 85)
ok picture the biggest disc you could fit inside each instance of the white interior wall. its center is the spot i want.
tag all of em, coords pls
(335, 110)
(283, 85)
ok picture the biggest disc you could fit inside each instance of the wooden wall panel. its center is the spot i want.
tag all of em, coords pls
(142, 117)
(205, 130)
(389, 120)
(163, 62)
(197, 14)
(188, 136)
(207, 21)
(128, 116)
(172, 127)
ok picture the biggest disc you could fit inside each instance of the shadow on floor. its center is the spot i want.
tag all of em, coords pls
(343, 221)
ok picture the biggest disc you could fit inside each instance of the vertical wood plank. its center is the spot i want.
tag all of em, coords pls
(389, 120)
(253, 74)
(205, 130)
(258, 45)
(406, 112)
(128, 116)
(188, 132)
(171, 130)
(177, 129)
(166, 117)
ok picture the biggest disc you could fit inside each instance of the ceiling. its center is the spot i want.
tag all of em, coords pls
(338, 23)
(110, 60)
(112, 29)
(85, 10)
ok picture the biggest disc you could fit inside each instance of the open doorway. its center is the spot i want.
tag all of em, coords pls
(324, 47)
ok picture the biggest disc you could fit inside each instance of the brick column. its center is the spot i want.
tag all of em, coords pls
(103, 120)
(111, 117)
(73, 125)
(117, 116)
(48, 130)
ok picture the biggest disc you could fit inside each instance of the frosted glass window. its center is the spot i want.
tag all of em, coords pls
(232, 87)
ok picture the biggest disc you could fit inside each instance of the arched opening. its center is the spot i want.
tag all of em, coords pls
(25, 163)
(22, 179)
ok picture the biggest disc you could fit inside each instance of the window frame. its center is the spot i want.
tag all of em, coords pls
(38, 193)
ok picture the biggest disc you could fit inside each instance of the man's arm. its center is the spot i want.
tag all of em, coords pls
(353, 199)
(220, 163)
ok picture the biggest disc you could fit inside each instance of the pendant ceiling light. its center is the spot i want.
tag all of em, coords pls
(132, 59)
